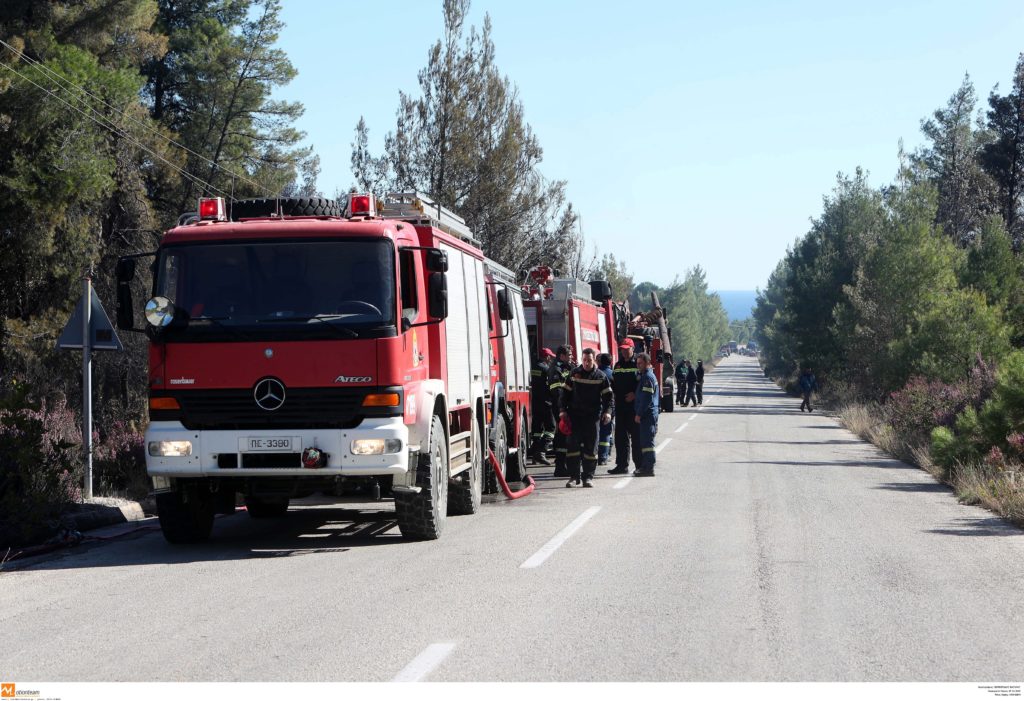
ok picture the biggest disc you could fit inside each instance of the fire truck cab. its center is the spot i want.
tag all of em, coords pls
(294, 350)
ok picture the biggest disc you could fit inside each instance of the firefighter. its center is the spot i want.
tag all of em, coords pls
(587, 402)
(700, 381)
(624, 377)
(560, 369)
(540, 406)
(646, 415)
(604, 445)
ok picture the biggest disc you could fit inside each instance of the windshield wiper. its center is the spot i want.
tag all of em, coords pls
(328, 319)
(217, 321)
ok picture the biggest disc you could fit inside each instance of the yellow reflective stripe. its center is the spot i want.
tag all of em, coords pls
(555, 385)
(606, 390)
(589, 457)
(572, 455)
(648, 389)
(633, 370)
(585, 381)
(647, 450)
(536, 373)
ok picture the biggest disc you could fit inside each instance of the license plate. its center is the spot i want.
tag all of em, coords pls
(269, 445)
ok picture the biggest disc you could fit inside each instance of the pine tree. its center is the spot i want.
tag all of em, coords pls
(1003, 157)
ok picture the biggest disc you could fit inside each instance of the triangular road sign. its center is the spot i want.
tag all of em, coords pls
(103, 335)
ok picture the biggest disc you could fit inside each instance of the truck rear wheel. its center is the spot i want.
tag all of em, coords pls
(516, 471)
(465, 492)
(499, 444)
(668, 403)
(260, 507)
(186, 515)
(422, 516)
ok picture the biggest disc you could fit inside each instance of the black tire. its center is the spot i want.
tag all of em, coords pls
(262, 507)
(290, 207)
(516, 469)
(422, 516)
(186, 516)
(465, 492)
(499, 444)
(668, 403)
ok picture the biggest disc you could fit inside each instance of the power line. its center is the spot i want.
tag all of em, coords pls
(195, 180)
(54, 77)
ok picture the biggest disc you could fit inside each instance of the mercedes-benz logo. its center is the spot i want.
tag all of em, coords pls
(269, 394)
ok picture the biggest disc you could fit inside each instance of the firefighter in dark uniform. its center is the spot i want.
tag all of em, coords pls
(543, 428)
(624, 376)
(560, 369)
(646, 406)
(587, 401)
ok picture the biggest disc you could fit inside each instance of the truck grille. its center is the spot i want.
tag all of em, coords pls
(303, 408)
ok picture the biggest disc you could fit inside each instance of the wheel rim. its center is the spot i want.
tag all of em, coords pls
(440, 484)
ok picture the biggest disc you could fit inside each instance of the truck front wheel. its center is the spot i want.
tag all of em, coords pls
(186, 515)
(421, 516)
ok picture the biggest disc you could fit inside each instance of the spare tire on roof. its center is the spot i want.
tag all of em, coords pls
(290, 207)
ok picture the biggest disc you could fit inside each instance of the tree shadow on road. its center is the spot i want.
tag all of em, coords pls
(934, 487)
(990, 526)
(305, 530)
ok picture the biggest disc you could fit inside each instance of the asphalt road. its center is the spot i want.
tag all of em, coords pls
(772, 546)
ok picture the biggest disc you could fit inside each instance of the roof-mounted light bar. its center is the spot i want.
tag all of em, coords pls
(212, 209)
(362, 205)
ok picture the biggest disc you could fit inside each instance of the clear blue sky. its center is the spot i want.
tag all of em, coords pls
(689, 133)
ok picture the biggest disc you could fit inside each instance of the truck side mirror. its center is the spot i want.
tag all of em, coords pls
(125, 273)
(437, 260)
(437, 305)
(506, 312)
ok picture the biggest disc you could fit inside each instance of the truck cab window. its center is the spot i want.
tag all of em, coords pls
(407, 280)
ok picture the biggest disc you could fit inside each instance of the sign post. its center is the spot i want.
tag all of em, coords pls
(89, 328)
(87, 384)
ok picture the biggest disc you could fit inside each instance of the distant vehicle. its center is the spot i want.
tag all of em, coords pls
(733, 347)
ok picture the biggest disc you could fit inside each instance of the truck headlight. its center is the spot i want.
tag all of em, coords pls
(170, 449)
(376, 446)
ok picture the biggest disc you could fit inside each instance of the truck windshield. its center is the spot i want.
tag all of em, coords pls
(306, 288)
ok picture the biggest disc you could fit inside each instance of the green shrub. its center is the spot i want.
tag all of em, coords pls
(40, 470)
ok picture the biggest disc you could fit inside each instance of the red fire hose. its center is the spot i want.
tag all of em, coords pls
(527, 480)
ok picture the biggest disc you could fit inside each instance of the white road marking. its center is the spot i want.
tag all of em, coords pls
(662, 446)
(425, 663)
(681, 427)
(538, 558)
(623, 482)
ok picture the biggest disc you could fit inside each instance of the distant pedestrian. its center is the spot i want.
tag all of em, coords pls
(681, 382)
(699, 372)
(691, 385)
(586, 401)
(646, 403)
(604, 445)
(808, 384)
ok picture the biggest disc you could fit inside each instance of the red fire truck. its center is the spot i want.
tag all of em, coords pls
(567, 311)
(295, 347)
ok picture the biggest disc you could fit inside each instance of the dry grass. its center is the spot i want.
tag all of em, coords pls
(999, 491)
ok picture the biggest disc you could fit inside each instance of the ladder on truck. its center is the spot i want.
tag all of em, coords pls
(421, 210)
